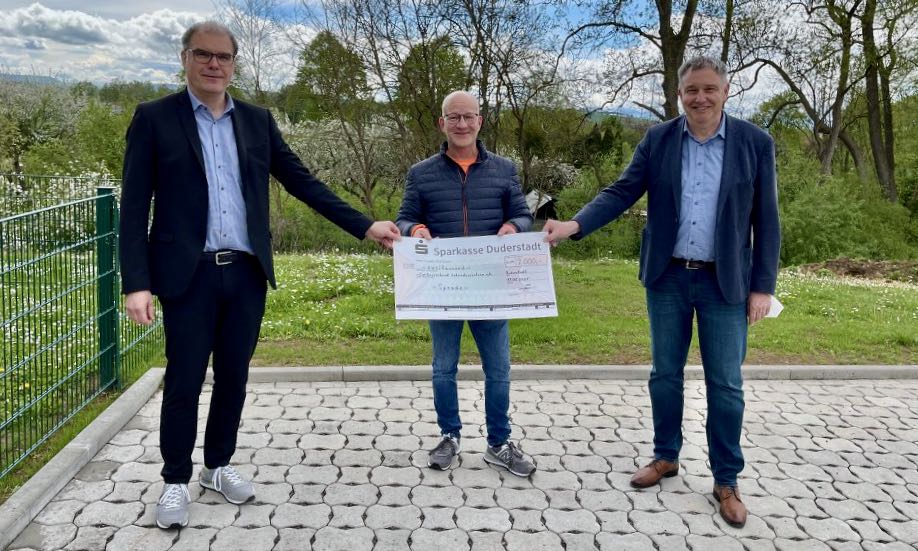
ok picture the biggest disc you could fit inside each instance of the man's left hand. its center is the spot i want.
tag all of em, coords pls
(506, 229)
(385, 233)
(757, 306)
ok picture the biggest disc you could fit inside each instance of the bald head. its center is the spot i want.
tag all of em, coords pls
(460, 124)
(458, 97)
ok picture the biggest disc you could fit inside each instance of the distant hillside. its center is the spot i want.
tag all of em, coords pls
(34, 79)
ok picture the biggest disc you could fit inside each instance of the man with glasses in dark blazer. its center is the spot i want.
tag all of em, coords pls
(202, 159)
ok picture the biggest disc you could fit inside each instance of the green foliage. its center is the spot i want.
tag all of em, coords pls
(100, 132)
(297, 228)
(128, 94)
(431, 71)
(599, 148)
(332, 79)
(906, 138)
(547, 132)
(619, 239)
(831, 217)
(49, 157)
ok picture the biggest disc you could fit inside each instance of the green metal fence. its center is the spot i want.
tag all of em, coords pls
(64, 340)
(27, 192)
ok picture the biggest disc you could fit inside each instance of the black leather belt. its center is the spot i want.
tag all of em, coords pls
(222, 258)
(692, 264)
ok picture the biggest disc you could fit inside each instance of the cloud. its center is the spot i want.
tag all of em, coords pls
(34, 44)
(89, 47)
(65, 26)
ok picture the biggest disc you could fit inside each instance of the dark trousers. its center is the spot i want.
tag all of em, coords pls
(219, 313)
(672, 302)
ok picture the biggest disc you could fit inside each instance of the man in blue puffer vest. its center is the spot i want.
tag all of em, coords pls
(461, 191)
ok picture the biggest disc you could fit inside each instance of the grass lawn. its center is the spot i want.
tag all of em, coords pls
(339, 310)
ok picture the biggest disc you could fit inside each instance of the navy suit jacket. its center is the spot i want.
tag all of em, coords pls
(163, 162)
(747, 238)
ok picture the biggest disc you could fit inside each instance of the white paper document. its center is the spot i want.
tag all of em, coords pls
(775, 308)
(474, 278)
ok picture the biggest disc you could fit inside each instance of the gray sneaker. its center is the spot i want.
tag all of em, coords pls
(508, 456)
(172, 508)
(443, 455)
(228, 482)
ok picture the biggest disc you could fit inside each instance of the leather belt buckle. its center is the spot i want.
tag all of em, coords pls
(691, 264)
(222, 258)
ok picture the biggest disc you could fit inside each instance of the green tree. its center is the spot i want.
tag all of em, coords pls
(128, 94)
(332, 78)
(430, 71)
(39, 114)
(99, 137)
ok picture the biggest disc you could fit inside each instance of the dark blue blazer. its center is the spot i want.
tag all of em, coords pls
(163, 162)
(747, 238)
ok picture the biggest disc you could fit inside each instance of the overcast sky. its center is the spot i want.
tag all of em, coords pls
(97, 40)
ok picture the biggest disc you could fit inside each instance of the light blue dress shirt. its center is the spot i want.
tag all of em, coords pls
(702, 166)
(227, 227)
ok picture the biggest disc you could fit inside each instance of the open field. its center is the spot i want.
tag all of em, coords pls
(338, 309)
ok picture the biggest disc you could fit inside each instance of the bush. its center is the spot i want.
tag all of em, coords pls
(619, 239)
(296, 228)
(831, 217)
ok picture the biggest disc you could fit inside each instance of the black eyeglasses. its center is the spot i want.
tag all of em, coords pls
(454, 118)
(204, 57)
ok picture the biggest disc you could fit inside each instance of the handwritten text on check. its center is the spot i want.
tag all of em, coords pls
(474, 278)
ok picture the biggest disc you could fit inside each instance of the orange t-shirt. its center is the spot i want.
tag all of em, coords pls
(464, 164)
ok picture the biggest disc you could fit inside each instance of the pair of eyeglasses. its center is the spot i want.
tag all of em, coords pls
(203, 56)
(454, 118)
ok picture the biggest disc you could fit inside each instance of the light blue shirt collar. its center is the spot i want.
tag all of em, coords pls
(721, 130)
(195, 102)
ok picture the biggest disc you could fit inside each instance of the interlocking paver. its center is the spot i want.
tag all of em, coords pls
(624, 542)
(335, 539)
(386, 516)
(537, 541)
(40, 536)
(830, 465)
(429, 496)
(570, 521)
(93, 537)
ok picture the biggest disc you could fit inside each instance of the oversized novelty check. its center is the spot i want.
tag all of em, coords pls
(474, 278)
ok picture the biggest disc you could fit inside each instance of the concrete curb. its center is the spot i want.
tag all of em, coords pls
(556, 372)
(19, 510)
(28, 501)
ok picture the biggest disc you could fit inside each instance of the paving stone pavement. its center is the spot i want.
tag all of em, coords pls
(830, 465)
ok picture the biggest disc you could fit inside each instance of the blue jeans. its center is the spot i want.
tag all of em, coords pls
(493, 340)
(672, 302)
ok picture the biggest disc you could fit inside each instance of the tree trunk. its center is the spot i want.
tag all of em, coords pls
(672, 48)
(875, 104)
(728, 31)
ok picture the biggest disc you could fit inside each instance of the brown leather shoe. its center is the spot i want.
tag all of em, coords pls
(731, 507)
(651, 473)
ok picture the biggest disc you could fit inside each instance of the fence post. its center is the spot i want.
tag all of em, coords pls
(107, 298)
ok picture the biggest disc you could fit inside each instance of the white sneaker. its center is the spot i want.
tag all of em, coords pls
(228, 482)
(172, 508)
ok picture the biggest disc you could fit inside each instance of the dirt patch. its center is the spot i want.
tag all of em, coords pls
(888, 270)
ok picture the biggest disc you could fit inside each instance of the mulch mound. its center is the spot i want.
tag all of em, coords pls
(890, 270)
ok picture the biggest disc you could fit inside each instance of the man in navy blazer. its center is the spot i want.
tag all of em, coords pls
(710, 249)
(202, 160)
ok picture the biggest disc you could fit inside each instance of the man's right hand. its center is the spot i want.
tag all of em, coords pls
(558, 231)
(423, 233)
(139, 307)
